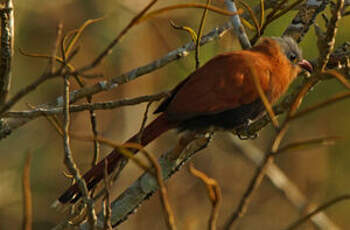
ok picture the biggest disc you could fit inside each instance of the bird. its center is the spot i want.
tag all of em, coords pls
(220, 94)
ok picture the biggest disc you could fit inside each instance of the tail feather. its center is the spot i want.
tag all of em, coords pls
(96, 174)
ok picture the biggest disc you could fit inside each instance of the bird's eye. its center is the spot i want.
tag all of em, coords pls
(292, 57)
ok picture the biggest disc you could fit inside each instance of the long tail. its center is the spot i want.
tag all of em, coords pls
(96, 174)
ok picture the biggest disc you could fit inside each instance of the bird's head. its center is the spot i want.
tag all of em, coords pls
(292, 51)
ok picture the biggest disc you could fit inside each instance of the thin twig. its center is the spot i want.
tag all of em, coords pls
(307, 143)
(8, 125)
(184, 28)
(263, 97)
(318, 210)
(240, 32)
(6, 50)
(237, 25)
(109, 48)
(45, 56)
(262, 14)
(329, 41)
(78, 33)
(27, 195)
(252, 15)
(280, 180)
(320, 105)
(188, 5)
(274, 15)
(269, 156)
(92, 113)
(214, 193)
(170, 220)
(298, 27)
(137, 72)
(304, 19)
(107, 202)
(268, 21)
(107, 85)
(146, 185)
(37, 112)
(53, 58)
(68, 158)
(144, 121)
(199, 34)
(134, 203)
(28, 89)
(243, 38)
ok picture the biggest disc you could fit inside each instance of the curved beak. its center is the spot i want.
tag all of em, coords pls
(306, 65)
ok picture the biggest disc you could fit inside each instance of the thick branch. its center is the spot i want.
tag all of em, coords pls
(6, 51)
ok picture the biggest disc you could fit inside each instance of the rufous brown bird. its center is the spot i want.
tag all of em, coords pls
(220, 94)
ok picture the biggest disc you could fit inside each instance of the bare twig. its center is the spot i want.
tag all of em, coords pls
(188, 5)
(78, 33)
(269, 156)
(263, 98)
(107, 203)
(6, 51)
(68, 49)
(297, 29)
(27, 195)
(307, 143)
(31, 87)
(45, 56)
(262, 13)
(144, 120)
(53, 58)
(318, 210)
(109, 48)
(252, 15)
(245, 43)
(146, 185)
(328, 43)
(280, 180)
(304, 19)
(252, 187)
(278, 11)
(134, 203)
(268, 20)
(199, 34)
(133, 74)
(8, 125)
(330, 101)
(93, 122)
(237, 25)
(170, 220)
(23, 92)
(268, 159)
(184, 28)
(214, 193)
(68, 158)
(136, 194)
(37, 112)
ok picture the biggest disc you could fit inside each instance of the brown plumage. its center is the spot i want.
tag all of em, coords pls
(221, 93)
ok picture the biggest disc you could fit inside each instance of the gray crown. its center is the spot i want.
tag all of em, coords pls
(290, 48)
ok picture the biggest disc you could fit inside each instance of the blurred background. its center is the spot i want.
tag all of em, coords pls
(321, 173)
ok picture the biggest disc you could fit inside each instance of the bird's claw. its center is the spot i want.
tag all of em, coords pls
(247, 137)
(244, 133)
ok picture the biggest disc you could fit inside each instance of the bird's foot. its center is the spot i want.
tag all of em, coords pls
(245, 137)
(244, 133)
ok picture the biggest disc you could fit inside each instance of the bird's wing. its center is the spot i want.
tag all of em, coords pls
(223, 83)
